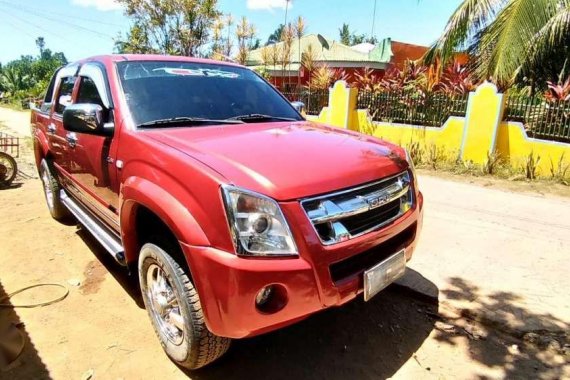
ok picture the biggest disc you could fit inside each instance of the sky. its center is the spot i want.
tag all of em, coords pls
(82, 28)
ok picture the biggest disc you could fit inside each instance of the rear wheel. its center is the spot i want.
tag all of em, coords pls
(51, 190)
(8, 169)
(175, 311)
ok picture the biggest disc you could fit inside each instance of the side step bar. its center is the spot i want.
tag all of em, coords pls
(107, 239)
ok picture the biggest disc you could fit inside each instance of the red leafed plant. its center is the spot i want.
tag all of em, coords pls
(366, 80)
(339, 74)
(410, 78)
(558, 91)
(324, 77)
(456, 79)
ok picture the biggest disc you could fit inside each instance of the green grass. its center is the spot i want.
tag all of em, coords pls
(15, 105)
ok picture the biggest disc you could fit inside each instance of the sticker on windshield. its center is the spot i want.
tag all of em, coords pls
(198, 72)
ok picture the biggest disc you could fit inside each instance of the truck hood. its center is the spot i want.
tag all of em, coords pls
(286, 160)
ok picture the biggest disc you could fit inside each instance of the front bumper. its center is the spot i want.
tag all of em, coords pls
(319, 278)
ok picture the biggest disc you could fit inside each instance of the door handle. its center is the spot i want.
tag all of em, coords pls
(71, 138)
(51, 129)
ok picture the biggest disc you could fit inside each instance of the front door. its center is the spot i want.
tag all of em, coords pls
(94, 176)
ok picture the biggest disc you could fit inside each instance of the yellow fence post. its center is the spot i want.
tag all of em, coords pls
(342, 105)
(484, 114)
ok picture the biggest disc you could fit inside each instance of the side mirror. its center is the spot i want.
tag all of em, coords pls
(299, 106)
(86, 118)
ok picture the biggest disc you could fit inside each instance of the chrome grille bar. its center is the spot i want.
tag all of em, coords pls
(387, 200)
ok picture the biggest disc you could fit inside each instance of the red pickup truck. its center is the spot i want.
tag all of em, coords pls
(239, 216)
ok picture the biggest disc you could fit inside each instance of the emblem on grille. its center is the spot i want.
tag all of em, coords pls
(377, 201)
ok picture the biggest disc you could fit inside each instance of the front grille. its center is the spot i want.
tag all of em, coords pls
(362, 222)
(350, 213)
(367, 259)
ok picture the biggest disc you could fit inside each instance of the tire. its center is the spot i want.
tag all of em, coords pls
(51, 191)
(174, 305)
(8, 169)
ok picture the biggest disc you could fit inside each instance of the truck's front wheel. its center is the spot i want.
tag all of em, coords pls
(51, 190)
(175, 311)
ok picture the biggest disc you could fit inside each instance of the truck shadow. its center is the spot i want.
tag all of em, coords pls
(15, 365)
(356, 341)
(128, 280)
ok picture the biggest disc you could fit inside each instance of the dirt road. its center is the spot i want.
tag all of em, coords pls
(102, 329)
(102, 326)
(17, 121)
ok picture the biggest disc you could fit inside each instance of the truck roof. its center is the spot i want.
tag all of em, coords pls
(111, 58)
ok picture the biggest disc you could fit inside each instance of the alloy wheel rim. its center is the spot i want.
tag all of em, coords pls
(164, 305)
(47, 189)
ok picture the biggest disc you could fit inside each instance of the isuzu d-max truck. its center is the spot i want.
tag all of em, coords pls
(239, 216)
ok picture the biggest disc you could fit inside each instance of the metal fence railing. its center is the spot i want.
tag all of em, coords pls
(9, 144)
(427, 109)
(314, 100)
(542, 119)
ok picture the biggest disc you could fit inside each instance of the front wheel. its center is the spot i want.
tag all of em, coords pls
(52, 190)
(175, 311)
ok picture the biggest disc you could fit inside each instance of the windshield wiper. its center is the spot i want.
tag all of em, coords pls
(259, 117)
(186, 120)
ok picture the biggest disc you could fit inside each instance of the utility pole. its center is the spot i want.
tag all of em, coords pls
(285, 31)
(286, 9)
(373, 20)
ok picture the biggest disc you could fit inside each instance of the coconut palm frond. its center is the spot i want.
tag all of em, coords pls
(468, 19)
(554, 32)
(508, 38)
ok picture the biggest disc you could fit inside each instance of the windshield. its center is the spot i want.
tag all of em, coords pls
(167, 90)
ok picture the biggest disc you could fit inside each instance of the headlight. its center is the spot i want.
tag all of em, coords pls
(257, 224)
(412, 168)
(410, 161)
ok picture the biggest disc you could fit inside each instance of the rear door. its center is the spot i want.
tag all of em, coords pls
(93, 174)
(41, 116)
(65, 82)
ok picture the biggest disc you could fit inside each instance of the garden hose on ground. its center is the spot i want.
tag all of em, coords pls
(29, 306)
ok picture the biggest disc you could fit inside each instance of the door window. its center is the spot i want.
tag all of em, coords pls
(88, 92)
(46, 104)
(65, 92)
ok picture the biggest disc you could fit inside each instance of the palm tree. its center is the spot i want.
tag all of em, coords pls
(13, 80)
(229, 23)
(505, 37)
(217, 39)
(245, 33)
(275, 37)
(287, 42)
(300, 27)
(344, 34)
(242, 30)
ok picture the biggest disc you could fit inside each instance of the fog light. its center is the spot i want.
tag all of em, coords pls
(271, 298)
(264, 295)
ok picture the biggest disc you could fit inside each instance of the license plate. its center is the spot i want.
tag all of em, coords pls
(383, 274)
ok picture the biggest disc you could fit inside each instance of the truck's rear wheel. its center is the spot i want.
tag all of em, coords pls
(175, 311)
(51, 190)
